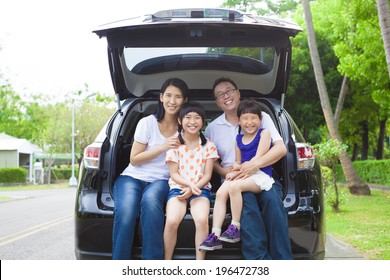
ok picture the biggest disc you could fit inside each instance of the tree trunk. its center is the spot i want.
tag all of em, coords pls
(355, 152)
(381, 139)
(364, 140)
(340, 101)
(384, 21)
(355, 184)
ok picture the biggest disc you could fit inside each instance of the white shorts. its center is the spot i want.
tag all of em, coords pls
(263, 180)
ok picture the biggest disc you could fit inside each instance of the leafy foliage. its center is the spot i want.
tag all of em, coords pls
(49, 124)
(328, 152)
(13, 175)
(349, 43)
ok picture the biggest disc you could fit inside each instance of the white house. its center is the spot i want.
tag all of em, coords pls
(16, 152)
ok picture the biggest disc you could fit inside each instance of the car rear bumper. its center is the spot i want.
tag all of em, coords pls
(93, 234)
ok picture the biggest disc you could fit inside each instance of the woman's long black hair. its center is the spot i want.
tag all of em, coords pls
(176, 82)
(189, 107)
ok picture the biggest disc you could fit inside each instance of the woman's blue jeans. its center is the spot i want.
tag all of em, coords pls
(264, 226)
(138, 199)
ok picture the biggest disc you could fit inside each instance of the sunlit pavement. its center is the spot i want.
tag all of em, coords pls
(338, 250)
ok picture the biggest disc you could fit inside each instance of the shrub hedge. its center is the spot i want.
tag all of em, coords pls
(13, 175)
(62, 173)
(370, 171)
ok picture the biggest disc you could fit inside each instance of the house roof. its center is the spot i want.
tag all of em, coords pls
(9, 143)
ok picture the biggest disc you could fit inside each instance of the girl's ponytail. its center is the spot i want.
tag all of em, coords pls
(202, 138)
(180, 137)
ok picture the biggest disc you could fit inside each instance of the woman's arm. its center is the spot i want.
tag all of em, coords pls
(139, 155)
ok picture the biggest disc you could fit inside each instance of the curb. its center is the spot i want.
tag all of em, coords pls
(338, 250)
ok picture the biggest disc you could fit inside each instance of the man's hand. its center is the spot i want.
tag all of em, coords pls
(247, 169)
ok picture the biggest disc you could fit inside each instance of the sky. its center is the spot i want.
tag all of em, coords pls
(48, 46)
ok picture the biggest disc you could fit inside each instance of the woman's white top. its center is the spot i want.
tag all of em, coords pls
(148, 132)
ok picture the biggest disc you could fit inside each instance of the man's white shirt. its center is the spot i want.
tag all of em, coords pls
(223, 134)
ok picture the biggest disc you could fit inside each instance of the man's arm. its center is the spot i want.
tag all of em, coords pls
(220, 170)
(277, 151)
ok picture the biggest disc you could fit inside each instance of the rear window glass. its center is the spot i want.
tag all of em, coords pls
(144, 61)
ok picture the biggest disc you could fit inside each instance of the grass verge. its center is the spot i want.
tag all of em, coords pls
(363, 222)
(64, 184)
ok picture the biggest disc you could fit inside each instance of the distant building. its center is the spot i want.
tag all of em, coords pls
(15, 152)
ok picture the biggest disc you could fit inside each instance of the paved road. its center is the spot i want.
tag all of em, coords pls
(338, 250)
(38, 225)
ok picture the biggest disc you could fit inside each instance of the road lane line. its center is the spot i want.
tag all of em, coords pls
(32, 230)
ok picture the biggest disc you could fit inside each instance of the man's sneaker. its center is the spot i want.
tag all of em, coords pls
(211, 243)
(231, 235)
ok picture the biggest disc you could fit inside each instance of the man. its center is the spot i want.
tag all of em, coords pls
(264, 231)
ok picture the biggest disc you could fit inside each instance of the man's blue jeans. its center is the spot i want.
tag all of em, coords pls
(138, 199)
(264, 231)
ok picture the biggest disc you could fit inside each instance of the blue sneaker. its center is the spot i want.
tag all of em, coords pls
(211, 243)
(231, 235)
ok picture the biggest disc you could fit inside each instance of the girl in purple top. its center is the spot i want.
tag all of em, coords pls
(254, 143)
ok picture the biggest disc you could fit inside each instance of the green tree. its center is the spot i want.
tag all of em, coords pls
(14, 118)
(327, 152)
(355, 184)
(384, 21)
(265, 7)
(90, 116)
(358, 45)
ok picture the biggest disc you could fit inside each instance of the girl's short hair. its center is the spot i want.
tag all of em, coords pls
(249, 106)
(189, 107)
(176, 82)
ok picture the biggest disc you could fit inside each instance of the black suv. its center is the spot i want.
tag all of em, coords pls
(198, 46)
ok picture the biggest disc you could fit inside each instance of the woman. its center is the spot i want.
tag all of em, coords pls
(142, 188)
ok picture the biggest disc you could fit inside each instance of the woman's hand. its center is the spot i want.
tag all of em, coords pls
(171, 143)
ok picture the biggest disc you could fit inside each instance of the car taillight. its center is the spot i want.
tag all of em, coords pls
(305, 156)
(91, 156)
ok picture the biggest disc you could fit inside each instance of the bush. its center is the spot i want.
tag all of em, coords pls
(327, 152)
(333, 196)
(370, 171)
(62, 173)
(13, 175)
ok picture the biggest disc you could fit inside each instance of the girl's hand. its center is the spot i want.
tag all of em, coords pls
(171, 143)
(195, 190)
(185, 193)
(232, 175)
(236, 166)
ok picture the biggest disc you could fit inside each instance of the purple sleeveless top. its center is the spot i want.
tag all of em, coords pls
(249, 151)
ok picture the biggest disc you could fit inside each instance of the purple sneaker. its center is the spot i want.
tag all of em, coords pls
(231, 235)
(211, 243)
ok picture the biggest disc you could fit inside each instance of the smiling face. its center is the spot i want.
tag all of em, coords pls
(227, 97)
(172, 99)
(249, 122)
(192, 123)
